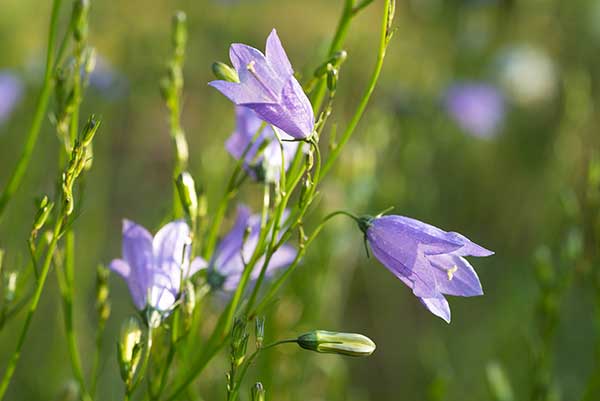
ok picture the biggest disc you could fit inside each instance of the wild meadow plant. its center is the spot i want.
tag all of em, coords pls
(278, 146)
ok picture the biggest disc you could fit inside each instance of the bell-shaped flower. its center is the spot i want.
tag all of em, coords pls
(11, 91)
(267, 85)
(264, 157)
(428, 260)
(154, 268)
(235, 250)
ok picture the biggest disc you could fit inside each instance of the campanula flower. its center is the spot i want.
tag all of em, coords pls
(11, 91)
(267, 85)
(236, 248)
(428, 260)
(152, 267)
(477, 108)
(263, 159)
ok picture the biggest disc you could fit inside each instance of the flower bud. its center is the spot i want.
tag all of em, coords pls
(130, 347)
(330, 342)
(81, 9)
(102, 293)
(189, 302)
(224, 72)
(332, 78)
(89, 130)
(259, 331)
(187, 194)
(258, 392)
(44, 208)
(10, 286)
(179, 34)
(89, 63)
(239, 342)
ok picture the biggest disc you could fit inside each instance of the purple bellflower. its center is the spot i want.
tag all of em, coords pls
(11, 90)
(477, 108)
(153, 267)
(428, 260)
(264, 157)
(267, 85)
(226, 267)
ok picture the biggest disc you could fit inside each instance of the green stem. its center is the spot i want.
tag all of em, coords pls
(32, 136)
(383, 43)
(12, 363)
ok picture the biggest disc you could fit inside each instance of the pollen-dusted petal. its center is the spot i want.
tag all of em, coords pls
(438, 306)
(277, 57)
(172, 251)
(455, 275)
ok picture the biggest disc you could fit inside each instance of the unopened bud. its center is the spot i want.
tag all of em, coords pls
(44, 209)
(130, 347)
(10, 286)
(81, 9)
(239, 341)
(260, 331)
(102, 293)
(89, 63)
(224, 72)
(90, 129)
(189, 299)
(187, 194)
(332, 78)
(258, 392)
(330, 342)
(179, 34)
(335, 61)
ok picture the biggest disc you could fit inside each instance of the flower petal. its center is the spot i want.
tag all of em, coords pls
(137, 253)
(227, 256)
(171, 253)
(277, 57)
(438, 306)
(138, 293)
(455, 275)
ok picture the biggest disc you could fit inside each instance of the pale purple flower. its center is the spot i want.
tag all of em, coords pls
(477, 108)
(267, 85)
(236, 249)
(153, 267)
(266, 164)
(428, 260)
(11, 91)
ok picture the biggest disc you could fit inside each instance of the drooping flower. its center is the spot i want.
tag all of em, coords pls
(226, 267)
(153, 267)
(11, 91)
(263, 159)
(477, 108)
(428, 260)
(267, 85)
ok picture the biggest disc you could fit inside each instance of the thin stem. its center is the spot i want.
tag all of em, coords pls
(32, 136)
(383, 44)
(12, 363)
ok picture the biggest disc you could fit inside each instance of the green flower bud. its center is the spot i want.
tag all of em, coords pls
(332, 78)
(130, 347)
(331, 342)
(187, 194)
(179, 34)
(239, 342)
(81, 9)
(258, 392)
(10, 286)
(260, 331)
(89, 63)
(90, 129)
(224, 72)
(44, 209)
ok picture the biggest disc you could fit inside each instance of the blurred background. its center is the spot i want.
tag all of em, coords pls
(483, 122)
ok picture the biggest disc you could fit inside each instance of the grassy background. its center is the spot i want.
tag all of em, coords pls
(504, 192)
